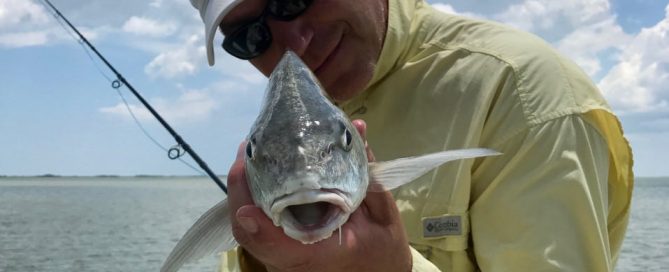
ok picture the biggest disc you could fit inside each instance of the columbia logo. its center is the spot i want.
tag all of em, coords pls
(442, 226)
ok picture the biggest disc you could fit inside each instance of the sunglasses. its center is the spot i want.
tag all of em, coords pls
(254, 37)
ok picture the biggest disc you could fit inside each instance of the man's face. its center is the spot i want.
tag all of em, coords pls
(340, 40)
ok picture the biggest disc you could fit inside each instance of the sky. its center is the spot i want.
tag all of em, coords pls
(60, 115)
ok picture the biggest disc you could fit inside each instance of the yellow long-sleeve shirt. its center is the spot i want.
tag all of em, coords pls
(557, 199)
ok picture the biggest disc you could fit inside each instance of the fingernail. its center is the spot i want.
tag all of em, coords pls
(248, 224)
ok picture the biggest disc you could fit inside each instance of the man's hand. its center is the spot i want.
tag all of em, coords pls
(373, 239)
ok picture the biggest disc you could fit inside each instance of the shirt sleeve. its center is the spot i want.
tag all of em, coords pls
(545, 204)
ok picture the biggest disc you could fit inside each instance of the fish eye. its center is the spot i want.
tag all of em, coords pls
(250, 148)
(347, 139)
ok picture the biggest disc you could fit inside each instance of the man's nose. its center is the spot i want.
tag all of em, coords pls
(295, 35)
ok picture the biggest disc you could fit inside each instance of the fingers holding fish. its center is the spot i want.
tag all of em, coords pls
(239, 194)
(361, 126)
(381, 204)
(366, 245)
(278, 252)
(379, 235)
(236, 174)
(379, 209)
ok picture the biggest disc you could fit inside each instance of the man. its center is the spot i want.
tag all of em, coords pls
(556, 200)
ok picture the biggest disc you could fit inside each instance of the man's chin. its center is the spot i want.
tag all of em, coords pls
(344, 95)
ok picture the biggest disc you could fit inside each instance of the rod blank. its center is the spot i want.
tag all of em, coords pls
(155, 114)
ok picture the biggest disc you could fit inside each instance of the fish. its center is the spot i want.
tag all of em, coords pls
(306, 167)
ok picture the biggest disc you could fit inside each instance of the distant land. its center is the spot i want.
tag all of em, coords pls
(106, 176)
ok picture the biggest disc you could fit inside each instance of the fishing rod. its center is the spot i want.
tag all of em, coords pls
(121, 80)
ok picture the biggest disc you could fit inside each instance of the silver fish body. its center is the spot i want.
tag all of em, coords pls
(306, 164)
(306, 167)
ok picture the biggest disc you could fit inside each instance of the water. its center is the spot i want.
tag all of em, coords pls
(131, 224)
(646, 245)
(98, 224)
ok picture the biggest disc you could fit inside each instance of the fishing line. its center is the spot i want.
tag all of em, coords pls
(175, 152)
(171, 151)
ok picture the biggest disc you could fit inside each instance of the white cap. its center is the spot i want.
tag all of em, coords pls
(212, 13)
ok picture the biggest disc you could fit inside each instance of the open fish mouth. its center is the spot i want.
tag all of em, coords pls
(311, 215)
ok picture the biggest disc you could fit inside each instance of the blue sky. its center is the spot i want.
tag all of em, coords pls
(59, 115)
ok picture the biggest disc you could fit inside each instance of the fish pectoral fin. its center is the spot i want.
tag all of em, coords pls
(388, 175)
(211, 233)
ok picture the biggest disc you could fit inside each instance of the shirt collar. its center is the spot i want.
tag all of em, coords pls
(395, 47)
(397, 40)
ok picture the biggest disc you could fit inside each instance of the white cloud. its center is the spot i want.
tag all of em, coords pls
(180, 61)
(26, 23)
(191, 106)
(588, 33)
(527, 15)
(23, 39)
(145, 26)
(640, 81)
(15, 12)
(446, 8)
(537, 15)
(48, 34)
(19, 20)
(585, 43)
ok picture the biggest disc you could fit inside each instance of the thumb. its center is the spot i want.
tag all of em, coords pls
(381, 207)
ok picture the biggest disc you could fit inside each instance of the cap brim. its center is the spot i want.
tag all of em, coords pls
(215, 11)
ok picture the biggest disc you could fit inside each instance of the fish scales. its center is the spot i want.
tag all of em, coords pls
(299, 147)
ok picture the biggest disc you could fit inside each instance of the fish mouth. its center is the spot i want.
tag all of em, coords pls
(311, 215)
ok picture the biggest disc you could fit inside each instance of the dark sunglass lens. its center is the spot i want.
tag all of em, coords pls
(249, 41)
(287, 9)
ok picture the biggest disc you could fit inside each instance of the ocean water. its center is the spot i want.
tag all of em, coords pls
(99, 224)
(131, 224)
(646, 245)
